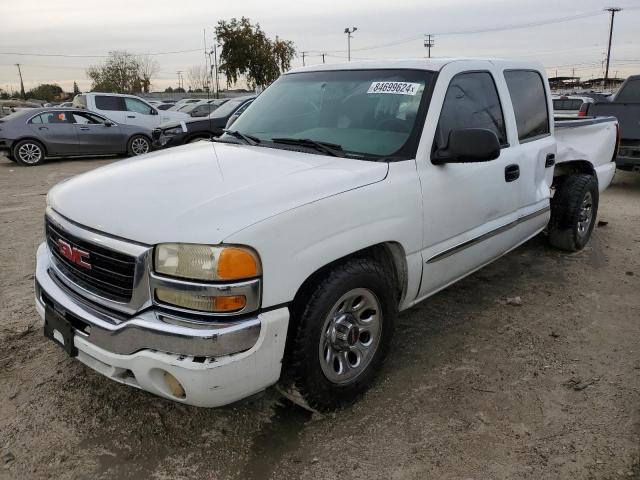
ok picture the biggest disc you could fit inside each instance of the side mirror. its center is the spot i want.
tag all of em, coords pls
(468, 145)
(154, 111)
(108, 124)
(232, 119)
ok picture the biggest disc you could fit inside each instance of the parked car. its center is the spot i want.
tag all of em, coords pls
(164, 106)
(625, 106)
(184, 101)
(206, 107)
(65, 105)
(126, 109)
(179, 133)
(286, 248)
(31, 136)
(8, 107)
(569, 105)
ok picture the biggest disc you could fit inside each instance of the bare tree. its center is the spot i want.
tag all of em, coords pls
(148, 68)
(198, 77)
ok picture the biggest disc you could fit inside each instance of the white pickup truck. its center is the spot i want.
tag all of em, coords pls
(127, 109)
(284, 250)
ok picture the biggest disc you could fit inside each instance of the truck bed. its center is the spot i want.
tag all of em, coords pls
(588, 138)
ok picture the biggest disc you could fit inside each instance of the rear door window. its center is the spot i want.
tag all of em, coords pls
(109, 103)
(529, 101)
(471, 101)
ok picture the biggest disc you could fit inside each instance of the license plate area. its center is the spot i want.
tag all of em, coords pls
(60, 330)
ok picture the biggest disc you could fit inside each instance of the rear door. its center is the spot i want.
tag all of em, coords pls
(111, 106)
(140, 113)
(55, 129)
(96, 136)
(534, 146)
(469, 208)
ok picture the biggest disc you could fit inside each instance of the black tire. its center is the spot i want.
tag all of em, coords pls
(568, 227)
(12, 158)
(310, 314)
(136, 146)
(29, 153)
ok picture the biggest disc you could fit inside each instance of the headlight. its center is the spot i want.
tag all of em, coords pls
(172, 131)
(206, 262)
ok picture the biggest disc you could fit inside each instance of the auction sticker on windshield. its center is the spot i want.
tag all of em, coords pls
(396, 88)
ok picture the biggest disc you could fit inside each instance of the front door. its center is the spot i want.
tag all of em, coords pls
(55, 129)
(97, 137)
(468, 207)
(140, 113)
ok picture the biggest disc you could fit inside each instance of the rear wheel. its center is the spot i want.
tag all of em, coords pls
(342, 329)
(574, 208)
(29, 153)
(138, 145)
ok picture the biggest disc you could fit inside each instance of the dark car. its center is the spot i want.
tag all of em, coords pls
(179, 133)
(29, 136)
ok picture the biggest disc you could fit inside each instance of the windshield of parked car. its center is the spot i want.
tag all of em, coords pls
(368, 113)
(226, 108)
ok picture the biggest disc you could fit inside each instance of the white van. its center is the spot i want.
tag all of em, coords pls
(126, 109)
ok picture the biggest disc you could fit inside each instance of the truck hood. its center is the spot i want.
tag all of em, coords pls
(204, 192)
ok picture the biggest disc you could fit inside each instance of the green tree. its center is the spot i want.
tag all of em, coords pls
(45, 91)
(168, 90)
(247, 51)
(76, 90)
(120, 73)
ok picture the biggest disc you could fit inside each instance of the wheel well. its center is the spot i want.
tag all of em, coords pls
(39, 142)
(574, 166)
(139, 135)
(389, 254)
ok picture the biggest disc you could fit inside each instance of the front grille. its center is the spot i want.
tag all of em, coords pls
(111, 274)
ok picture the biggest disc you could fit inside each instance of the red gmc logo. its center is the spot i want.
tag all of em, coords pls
(73, 254)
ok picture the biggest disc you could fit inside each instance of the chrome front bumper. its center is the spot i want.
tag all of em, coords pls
(151, 329)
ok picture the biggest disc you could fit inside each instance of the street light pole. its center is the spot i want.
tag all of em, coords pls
(349, 31)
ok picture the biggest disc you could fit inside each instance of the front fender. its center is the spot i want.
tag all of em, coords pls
(296, 243)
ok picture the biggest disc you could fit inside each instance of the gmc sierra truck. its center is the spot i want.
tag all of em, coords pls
(284, 250)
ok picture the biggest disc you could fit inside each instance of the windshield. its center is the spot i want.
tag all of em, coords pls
(226, 108)
(366, 112)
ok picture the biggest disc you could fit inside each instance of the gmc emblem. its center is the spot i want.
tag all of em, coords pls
(73, 254)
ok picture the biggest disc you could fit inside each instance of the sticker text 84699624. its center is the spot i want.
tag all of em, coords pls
(396, 88)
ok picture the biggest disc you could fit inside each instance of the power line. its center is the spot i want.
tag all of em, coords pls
(91, 56)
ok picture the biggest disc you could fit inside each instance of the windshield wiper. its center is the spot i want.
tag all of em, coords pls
(332, 149)
(249, 139)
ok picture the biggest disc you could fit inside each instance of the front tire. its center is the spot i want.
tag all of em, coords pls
(341, 332)
(29, 153)
(138, 145)
(574, 208)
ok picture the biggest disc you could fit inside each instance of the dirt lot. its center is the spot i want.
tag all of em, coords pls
(474, 388)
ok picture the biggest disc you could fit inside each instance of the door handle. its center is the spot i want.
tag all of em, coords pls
(511, 173)
(85, 128)
(550, 161)
(43, 128)
(131, 116)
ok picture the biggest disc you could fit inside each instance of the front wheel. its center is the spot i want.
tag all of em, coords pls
(342, 332)
(574, 207)
(138, 145)
(29, 153)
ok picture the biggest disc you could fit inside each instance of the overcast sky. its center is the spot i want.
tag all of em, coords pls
(89, 27)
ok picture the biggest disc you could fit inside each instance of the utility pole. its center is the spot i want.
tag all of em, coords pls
(303, 54)
(428, 43)
(349, 31)
(24, 95)
(179, 72)
(215, 63)
(613, 11)
(323, 57)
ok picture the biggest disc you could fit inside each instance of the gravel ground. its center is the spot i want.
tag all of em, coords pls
(475, 388)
